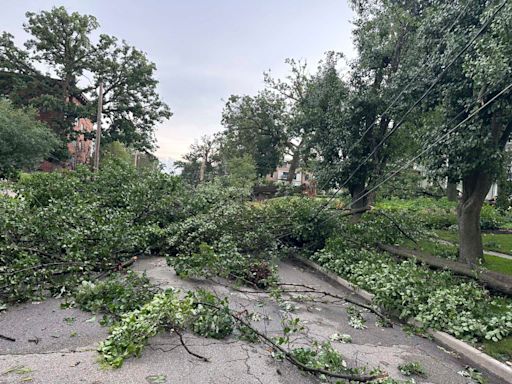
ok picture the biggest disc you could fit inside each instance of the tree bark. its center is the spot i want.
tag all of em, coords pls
(451, 191)
(474, 189)
(494, 280)
(294, 164)
(202, 171)
(359, 197)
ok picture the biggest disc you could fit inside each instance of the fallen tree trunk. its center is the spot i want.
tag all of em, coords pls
(493, 280)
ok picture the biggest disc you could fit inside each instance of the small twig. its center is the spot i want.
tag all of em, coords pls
(294, 361)
(188, 350)
(118, 267)
(309, 289)
(393, 221)
(7, 338)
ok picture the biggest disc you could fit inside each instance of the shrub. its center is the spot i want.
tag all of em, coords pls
(437, 299)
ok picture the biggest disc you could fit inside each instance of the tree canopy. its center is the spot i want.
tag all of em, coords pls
(64, 43)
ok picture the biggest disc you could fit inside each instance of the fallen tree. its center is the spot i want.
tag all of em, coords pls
(493, 280)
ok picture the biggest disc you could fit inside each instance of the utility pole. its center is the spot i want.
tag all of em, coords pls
(98, 130)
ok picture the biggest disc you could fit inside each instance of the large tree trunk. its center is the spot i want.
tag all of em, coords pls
(359, 203)
(474, 189)
(294, 164)
(451, 191)
(494, 280)
(359, 197)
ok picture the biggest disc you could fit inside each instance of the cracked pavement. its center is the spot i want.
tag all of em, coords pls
(57, 346)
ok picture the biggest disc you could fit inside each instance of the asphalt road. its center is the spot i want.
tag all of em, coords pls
(55, 346)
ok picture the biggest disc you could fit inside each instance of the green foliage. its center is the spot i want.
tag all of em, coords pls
(412, 368)
(437, 299)
(439, 213)
(501, 349)
(210, 315)
(431, 213)
(241, 240)
(62, 42)
(199, 311)
(490, 217)
(115, 150)
(241, 171)
(129, 337)
(255, 126)
(24, 140)
(321, 356)
(66, 227)
(114, 296)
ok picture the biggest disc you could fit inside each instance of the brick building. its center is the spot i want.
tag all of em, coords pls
(80, 148)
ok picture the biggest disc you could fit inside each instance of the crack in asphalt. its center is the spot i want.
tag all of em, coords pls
(247, 365)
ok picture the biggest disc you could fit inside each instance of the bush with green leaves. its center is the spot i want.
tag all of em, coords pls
(65, 227)
(439, 300)
(117, 294)
(439, 213)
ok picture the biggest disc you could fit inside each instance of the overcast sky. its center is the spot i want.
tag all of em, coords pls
(206, 50)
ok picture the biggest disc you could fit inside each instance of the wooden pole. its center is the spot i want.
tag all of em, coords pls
(98, 130)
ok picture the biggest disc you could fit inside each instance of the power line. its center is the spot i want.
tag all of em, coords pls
(363, 135)
(445, 136)
(425, 150)
(418, 101)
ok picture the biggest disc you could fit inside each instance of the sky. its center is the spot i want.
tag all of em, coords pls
(206, 50)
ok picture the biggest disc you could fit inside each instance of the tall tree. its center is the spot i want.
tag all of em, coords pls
(201, 162)
(62, 41)
(272, 126)
(255, 125)
(131, 104)
(297, 131)
(357, 141)
(474, 153)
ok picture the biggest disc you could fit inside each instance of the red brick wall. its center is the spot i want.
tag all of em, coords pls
(80, 149)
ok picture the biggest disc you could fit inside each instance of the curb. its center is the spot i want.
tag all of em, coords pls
(478, 358)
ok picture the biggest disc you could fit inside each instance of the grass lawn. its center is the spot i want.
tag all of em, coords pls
(501, 350)
(498, 264)
(499, 242)
(447, 251)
